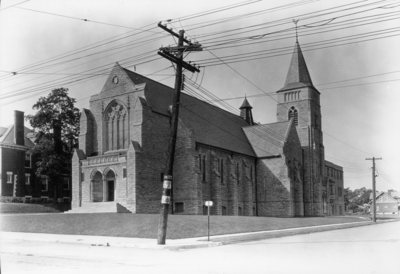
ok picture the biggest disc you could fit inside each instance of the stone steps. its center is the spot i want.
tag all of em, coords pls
(100, 207)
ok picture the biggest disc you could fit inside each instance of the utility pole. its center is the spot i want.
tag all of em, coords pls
(373, 187)
(175, 55)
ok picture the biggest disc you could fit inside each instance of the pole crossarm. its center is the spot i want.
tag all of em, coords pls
(164, 27)
(192, 47)
(176, 60)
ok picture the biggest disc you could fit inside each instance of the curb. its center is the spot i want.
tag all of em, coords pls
(263, 235)
(178, 244)
(107, 241)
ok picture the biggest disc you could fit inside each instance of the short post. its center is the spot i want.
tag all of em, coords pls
(208, 204)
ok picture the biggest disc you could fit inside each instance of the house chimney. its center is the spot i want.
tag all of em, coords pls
(19, 138)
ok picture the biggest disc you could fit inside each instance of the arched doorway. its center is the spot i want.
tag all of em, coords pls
(97, 187)
(110, 178)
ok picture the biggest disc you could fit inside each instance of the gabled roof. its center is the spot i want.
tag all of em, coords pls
(381, 195)
(8, 136)
(268, 140)
(298, 75)
(210, 125)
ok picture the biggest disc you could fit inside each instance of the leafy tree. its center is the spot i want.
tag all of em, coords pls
(355, 200)
(54, 160)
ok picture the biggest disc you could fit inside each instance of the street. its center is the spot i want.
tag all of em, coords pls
(367, 249)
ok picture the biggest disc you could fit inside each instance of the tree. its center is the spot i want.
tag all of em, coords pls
(54, 158)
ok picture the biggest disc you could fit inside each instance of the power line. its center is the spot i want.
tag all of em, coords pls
(83, 19)
(14, 5)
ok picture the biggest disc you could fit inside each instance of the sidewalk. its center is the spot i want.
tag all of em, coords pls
(188, 243)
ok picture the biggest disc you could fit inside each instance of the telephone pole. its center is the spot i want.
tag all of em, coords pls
(373, 187)
(175, 55)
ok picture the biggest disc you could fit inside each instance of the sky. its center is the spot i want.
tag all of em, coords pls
(350, 47)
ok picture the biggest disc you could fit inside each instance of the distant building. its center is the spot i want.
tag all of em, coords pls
(395, 194)
(385, 204)
(18, 165)
(333, 197)
(248, 169)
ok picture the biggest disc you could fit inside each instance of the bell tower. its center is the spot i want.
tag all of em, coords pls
(300, 100)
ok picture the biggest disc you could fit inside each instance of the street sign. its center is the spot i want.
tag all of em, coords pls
(165, 200)
(209, 203)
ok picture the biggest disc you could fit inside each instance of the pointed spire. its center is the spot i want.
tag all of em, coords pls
(298, 75)
(245, 104)
(246, 113)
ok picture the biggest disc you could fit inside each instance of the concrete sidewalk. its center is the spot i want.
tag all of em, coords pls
(174, 244)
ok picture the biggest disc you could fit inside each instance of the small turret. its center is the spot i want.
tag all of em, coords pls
(245, 112)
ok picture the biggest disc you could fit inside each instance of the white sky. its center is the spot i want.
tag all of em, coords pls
(362, 116)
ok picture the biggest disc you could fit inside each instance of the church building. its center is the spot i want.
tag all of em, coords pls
(247, 169)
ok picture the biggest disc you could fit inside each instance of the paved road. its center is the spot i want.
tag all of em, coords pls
(368, 249)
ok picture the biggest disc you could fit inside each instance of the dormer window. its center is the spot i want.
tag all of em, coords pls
(293, 114)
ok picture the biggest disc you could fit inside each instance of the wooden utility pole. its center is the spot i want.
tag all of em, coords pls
(373, 187)
(175, 55)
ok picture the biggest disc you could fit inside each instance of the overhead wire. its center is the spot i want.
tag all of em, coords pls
(13, 5)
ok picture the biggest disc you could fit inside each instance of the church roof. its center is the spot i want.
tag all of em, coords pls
(268, 140)
(298, 75)
(210, 125)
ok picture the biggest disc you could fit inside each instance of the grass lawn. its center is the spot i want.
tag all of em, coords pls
(145, 225)
(33, 208)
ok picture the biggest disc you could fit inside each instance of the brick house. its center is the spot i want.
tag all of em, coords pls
(18, 165)
(245, 168)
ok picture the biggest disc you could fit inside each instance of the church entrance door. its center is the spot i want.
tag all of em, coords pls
(110, 186)
(97, 188)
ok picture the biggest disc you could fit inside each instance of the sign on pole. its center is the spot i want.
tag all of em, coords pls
(208, 204)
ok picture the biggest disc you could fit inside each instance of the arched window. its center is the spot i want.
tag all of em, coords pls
(293, 114)
(116, 127)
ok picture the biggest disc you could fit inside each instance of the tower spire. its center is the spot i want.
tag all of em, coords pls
(298, 75)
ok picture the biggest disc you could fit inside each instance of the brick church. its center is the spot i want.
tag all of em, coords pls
(247, 169)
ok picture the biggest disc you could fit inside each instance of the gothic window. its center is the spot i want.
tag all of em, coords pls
(116, 127)
(251, 176)
(293, 114)
(316, 120)
(237, 174)
(221, 170)
(203, 168)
